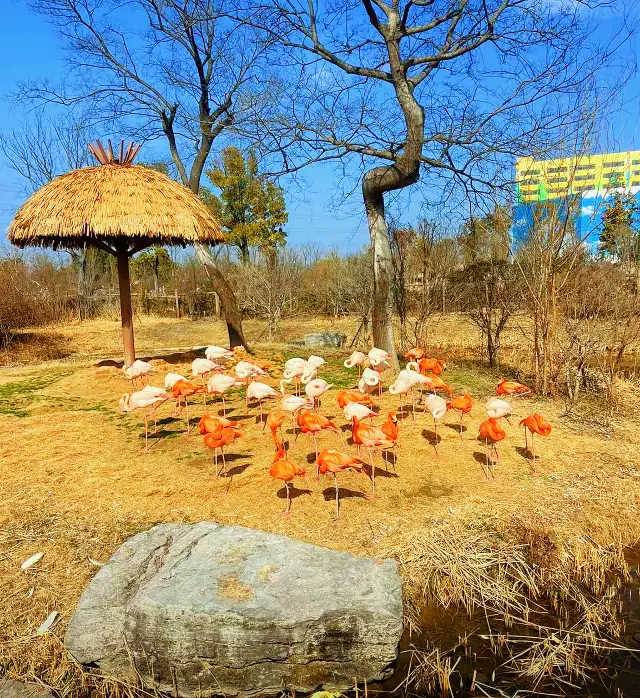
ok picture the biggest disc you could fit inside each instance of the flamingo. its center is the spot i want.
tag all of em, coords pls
(435, 366)
(185, 389)
(370, 381)
(346, 396)
(284, 469)
(415, 354)
(373, 439)
(210, 423)
(313, 424)
(202, 368)
(245, 370)
(169, 381)
(497, 408)
(536, 424)
(512, 388)
(275, 418)
(406, 381)
(293, 370)
(356, 359)
(462, 405)
(438, 408)
(214, 352)
(315, 389)
(293, 403)
(310, 370)
(492, 432)
(379, 357)
(138, 369)
(260, 392)
(331, 461)
(143, 399)
(352, 409)
(218, 440)
(390, 428)
(218, 384)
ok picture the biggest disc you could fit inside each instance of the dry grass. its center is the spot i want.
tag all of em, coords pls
(74, 485)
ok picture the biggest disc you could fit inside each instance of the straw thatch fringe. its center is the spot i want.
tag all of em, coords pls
(113, 201)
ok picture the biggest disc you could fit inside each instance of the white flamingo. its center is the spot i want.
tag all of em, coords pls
(138, 369)
(497, 408)
(246, 370)
(379, 357)
(218, 384)
(438, 408)
(202, 368)
(355, 409)
(406, 381)
(356, 359)
(293, 403)
(315, 389)
(260, 391)
(148, 397)
(214, 352)
(370, 381)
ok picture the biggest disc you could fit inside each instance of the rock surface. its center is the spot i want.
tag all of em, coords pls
(16, 689)
(324, 339)
(235, 611)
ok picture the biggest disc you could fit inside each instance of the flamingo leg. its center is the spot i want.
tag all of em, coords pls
(335, 484)
(224, 407)
(155, 421)
(204, 392)
(287, 509)
(146, 432)
(224, 462)
(315, 443)
(373, 473)
(413, 405)
(526, 441)
(261, 415)
(461, 418)
(186, 407)
(486, 458)
(435, 429)
(386, 465)
(215, 460)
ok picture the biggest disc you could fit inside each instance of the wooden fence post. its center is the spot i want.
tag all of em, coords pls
(177, 304)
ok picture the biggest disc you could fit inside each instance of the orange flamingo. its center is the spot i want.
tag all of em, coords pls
(435, 366)
(415, 354)
(345, 396)
(492, 432)
(331, 461)
(210, 423)
(536, 424)
(218, 440)
(462, 405)
(284, 469)
(275, 419)
(438, 384)
(183, 390)
(390, 428)
(311, 423)
(512, 388)
(373, 439)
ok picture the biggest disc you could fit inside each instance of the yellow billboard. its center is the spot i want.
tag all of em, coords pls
(542, 180)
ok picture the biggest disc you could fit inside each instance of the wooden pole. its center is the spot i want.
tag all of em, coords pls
(125, 306)
(177, 298)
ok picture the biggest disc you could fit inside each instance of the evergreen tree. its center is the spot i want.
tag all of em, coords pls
(619, 237)
(250, 207)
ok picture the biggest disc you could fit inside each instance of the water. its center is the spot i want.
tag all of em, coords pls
(475, 661)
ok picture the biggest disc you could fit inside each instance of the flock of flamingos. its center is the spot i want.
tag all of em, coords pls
(223, 369)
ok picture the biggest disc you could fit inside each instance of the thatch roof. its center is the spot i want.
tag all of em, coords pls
(111, 202)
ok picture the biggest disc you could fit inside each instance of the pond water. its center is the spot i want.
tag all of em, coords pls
(476, 663)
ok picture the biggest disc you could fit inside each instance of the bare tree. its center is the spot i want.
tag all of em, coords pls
(448, 86)
(180, 70)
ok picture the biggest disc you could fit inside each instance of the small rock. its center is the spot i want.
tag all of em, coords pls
(16, 689)
(206, 608)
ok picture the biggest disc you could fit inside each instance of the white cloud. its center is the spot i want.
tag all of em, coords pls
(588, 210)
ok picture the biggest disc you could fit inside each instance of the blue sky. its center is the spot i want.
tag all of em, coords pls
(31, 50)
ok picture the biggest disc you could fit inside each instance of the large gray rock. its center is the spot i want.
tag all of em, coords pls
(213, 609)
(16, 689)
(324, 339)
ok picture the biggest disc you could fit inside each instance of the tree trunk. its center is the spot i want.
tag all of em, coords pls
(126, 313)
(227, 298)
(382, 272)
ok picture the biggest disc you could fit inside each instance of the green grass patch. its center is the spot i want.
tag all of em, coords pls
(17, 397)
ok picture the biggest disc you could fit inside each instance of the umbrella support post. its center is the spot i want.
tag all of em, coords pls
(126, 313)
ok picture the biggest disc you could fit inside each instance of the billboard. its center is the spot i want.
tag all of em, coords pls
(583, 185)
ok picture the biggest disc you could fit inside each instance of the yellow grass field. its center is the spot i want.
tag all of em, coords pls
(74, 485)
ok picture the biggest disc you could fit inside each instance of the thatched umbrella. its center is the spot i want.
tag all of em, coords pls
(118, 207)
